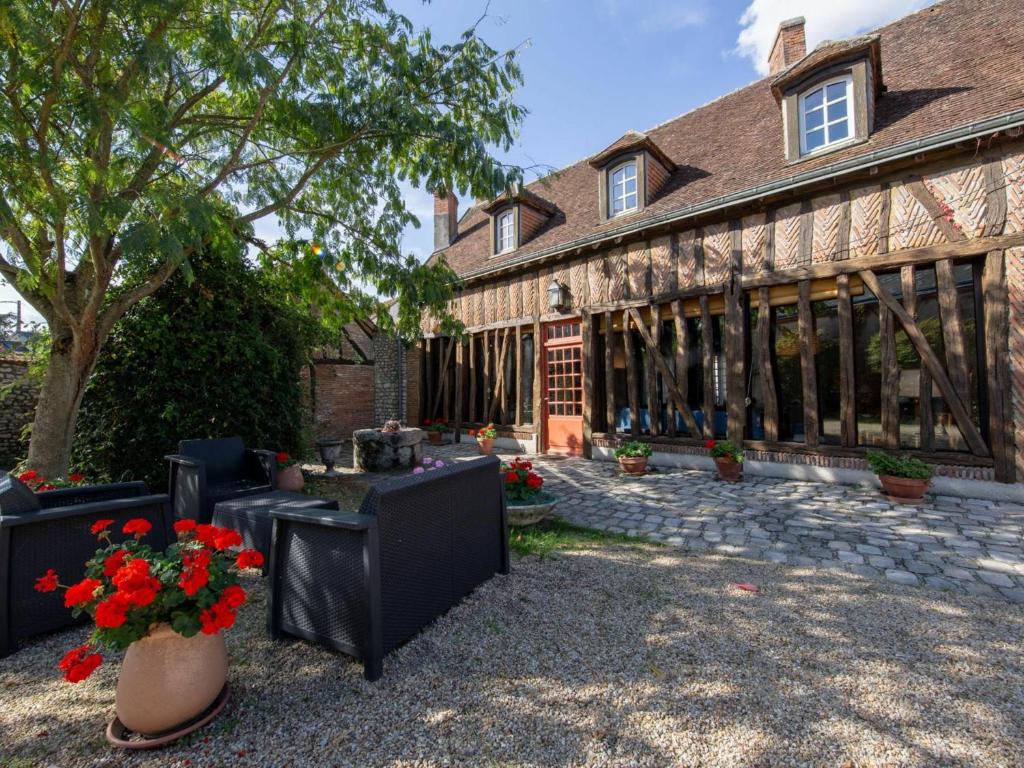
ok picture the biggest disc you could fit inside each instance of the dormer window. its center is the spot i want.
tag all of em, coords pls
(825, 115)
(622, 188)
(505, 231)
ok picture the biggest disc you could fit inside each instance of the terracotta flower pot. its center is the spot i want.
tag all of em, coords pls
(485, 444)
(728, 469)
(903, 487)
(167, 679)
(633, 465)
(435, 438)
(290, 478)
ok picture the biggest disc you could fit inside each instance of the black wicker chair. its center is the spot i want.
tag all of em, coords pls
(51, 530)
(366, 583)
(204, 472)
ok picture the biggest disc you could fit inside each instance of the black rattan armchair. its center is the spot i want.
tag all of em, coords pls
(204, 472)
(51, 530)
(366, 583)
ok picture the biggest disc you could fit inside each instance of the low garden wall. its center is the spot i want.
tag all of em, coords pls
(17, 405)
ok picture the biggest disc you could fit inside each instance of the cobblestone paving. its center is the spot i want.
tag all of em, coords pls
(948, 543)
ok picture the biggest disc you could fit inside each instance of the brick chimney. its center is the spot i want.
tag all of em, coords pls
(790, 45)
(446, 220)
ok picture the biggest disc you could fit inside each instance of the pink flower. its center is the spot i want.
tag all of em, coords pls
(418, 471)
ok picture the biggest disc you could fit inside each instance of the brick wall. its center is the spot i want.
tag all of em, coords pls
(343, 399)
(16, 408)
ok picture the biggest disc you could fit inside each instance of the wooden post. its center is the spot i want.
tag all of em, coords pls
(930, 359)
(653, 349)
(890, 379)
(540, 407)
(460, 369)
(422, 375)
(847, 376)
(682, 376)
(808, 366)
(442, 398)
(1000, 407)
(498, 397)
(586, 326)
(472, 378)
(518, 379)
(429, 371)
(485, 400)
(926, 420)
(707, 339)
(631, 377)
(766, 365)
(735, 359)
(952, 329)
(609, 374)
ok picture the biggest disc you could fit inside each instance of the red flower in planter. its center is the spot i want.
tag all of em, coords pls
(76, 477)
(134, 583)
(113, 563)
(233, 596)
(194, 576)
(100, 526)
(533, 480)
(29, 476)
(227, 539)
(111, 613)
(249, 558)
(471, 432)
(709, 444)
(137, 526)
(47, 582)
(82, 592)
(511, 476)
(78, 663)
(282, 456)
(184, 526)
(427, 422)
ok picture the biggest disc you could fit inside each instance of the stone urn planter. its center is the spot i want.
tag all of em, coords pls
(535, 511)
(485, 444)
(729, 470)
(330, 453)
(290, 478)
(633, 465)
(168, 680)
(904, 488)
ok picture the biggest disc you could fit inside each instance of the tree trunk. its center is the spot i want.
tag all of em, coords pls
(71, 362)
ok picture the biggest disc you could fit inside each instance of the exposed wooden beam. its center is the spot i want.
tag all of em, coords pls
(441, 398)
(997, 356)
(952, 328)
(589, 366)
(926, 415)
(930, 359)
(517, 380)
(539, 406)
(890, 370)
(653, 349)
(429, 379)
(472, 378)
(995, 197)
(682, 377)
(735, 360)
(485, 396)
(808, 363)
(609, 374)
(460, 371)
(847, 375)
(498, 397)
(927, 200)
(631, 376)
(707, 340)
(766, 366)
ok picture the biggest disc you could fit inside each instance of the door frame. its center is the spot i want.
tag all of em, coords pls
(565, 342)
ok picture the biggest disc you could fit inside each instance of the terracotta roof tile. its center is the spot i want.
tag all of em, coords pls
(946, 66)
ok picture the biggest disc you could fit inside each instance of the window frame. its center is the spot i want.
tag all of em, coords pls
(612, 170)
(510, 214)
(851, 119)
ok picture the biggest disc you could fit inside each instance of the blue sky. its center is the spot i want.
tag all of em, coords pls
(596, 68)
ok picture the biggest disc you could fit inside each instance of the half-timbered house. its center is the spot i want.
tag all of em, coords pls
(827, 260)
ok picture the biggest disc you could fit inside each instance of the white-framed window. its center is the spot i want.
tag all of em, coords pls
(622, 188)
(826, 114)
(505, 232)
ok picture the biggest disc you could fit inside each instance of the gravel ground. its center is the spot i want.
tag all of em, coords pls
(616, 655)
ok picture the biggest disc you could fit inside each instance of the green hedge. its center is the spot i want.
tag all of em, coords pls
(216, 356)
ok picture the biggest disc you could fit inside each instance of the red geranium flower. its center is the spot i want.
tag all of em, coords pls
(47, 582)
(46, 487)
(184, 526)
(217, 617)
(709, 444)
(534, 480)
(249, 558)
(113, 563)
(194, 576)
(427, 422)
(78, 663)
(76, 477)
(511, 477)
(227, 538)
(28, 476)
(138, 526)
(233, 596)
(282, 456)
(100, 526)
(111, 613)
(471, 433)
(82, 592)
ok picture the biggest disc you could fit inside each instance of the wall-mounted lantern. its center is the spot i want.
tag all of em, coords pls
(558, 296)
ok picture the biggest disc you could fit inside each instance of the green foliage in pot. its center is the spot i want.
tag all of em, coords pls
(724, 449)
(633, 450)
(215, 356)
(883, 463)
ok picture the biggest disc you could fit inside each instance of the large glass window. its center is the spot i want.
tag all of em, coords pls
(505, 232)
(826, 115)
(622, 196)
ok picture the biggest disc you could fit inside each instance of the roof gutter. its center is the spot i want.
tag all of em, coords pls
(853, 165)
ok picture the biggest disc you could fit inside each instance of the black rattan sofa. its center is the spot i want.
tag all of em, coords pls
(204, 472)
(366, 583)
(51, 530)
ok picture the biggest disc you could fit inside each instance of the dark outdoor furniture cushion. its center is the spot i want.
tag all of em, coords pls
(205, 472)
(59, 538)
(16, 498)
(250, 515)
(365, 583)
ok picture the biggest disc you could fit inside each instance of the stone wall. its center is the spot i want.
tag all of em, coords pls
(388, 379)
(17, 405)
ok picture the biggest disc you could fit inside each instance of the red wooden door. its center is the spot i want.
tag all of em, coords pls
(563, 388)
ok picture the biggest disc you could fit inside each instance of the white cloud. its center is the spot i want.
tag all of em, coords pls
(831, 21)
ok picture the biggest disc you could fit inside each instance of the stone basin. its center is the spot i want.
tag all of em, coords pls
(376, 451)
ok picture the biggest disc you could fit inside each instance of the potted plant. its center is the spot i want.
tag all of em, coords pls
(728, 458)
(330, 449)
(289, 473)
(633, 457)
(38, 483)
(484, 438)
(435, 430)
(525, 500)
(903, 478)
(168, 610)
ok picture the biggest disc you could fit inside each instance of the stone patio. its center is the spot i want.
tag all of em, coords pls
(948, 543)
